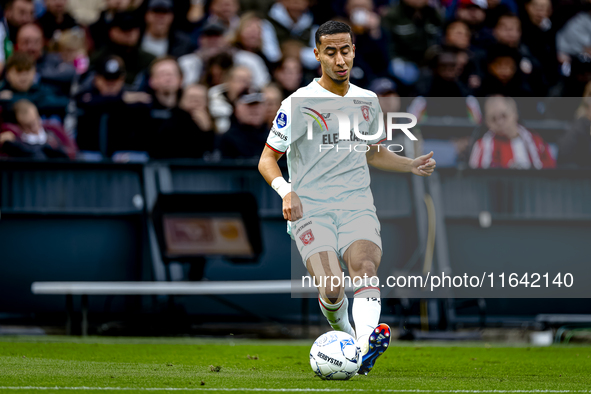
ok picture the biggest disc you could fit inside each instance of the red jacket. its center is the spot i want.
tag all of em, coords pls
(528, 150)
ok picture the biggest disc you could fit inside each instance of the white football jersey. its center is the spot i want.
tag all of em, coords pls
(325, 172)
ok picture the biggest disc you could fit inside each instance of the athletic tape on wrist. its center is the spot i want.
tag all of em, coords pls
(281, 186)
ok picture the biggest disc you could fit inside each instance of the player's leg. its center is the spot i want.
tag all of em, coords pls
(360, 235)
(326, 272)
(363, 259)
(316, 238)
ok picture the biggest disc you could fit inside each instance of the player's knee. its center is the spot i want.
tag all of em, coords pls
(367, 268)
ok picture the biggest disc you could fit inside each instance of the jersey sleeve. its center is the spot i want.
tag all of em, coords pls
(280, 134)
(375, 124)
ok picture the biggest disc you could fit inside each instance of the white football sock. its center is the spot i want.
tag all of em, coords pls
(367, 307)
(337, 315)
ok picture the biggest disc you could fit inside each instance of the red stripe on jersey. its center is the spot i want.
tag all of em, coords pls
(379, 142)
(273, 149)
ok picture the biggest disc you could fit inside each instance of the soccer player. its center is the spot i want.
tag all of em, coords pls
(330, 209)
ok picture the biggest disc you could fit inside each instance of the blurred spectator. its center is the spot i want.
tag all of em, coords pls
(56, 19)
(16, 14)
(540, 37)
(108, 114)
(222, 97)
(211, 43)
(574, 147)
(248, 132)
(507, 31)
(124, 37)
(248, 37)
(371, 43)
(290, 22)
(444, 78)
(20, 84)
(273, 99)
(159, 39)
(217, 69)
(189, 132)
(50, 67)
(502, 74)
(457, 34)
(85, 12)
(34, 139)
(224, 12)
(507, 144)
(575, 36)
(166, 79)
(389, 99)
(288, 75)
(473, 13)
(579, 75)
(99, 30)
(71, 47)
(413, 26)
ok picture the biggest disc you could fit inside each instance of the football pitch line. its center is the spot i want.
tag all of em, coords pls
(280, 390)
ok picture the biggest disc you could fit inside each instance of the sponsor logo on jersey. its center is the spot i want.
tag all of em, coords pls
(281, 120)
(278, 133)
(307, 237)
(362, 102)
(365, 111)
(303, 226)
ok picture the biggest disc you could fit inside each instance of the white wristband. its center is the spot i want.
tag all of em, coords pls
(281, 186)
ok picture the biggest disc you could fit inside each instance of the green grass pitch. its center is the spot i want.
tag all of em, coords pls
(144, 365)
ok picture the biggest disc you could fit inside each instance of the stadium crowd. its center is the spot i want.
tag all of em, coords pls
(132, 80)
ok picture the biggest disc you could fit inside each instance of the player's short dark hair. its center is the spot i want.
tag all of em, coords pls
(332, 27)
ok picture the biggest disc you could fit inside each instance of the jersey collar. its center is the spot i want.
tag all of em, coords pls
(329, 92)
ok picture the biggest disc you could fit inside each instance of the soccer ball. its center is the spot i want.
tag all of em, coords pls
(335, 356)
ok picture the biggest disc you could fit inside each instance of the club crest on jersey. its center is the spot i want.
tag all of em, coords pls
(281, 120)
(365, 111)
(307, 237)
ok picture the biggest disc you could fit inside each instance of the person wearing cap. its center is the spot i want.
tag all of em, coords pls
(124, 39)
(107, 113)
(159, 39)
(213, 42)
(412, 26)
(248, 132)
(56, 19)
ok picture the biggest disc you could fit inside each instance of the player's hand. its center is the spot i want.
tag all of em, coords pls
(292, 207)
(423, 165)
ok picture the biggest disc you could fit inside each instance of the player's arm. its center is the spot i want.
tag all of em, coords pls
(382, 158)
(269, 169)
